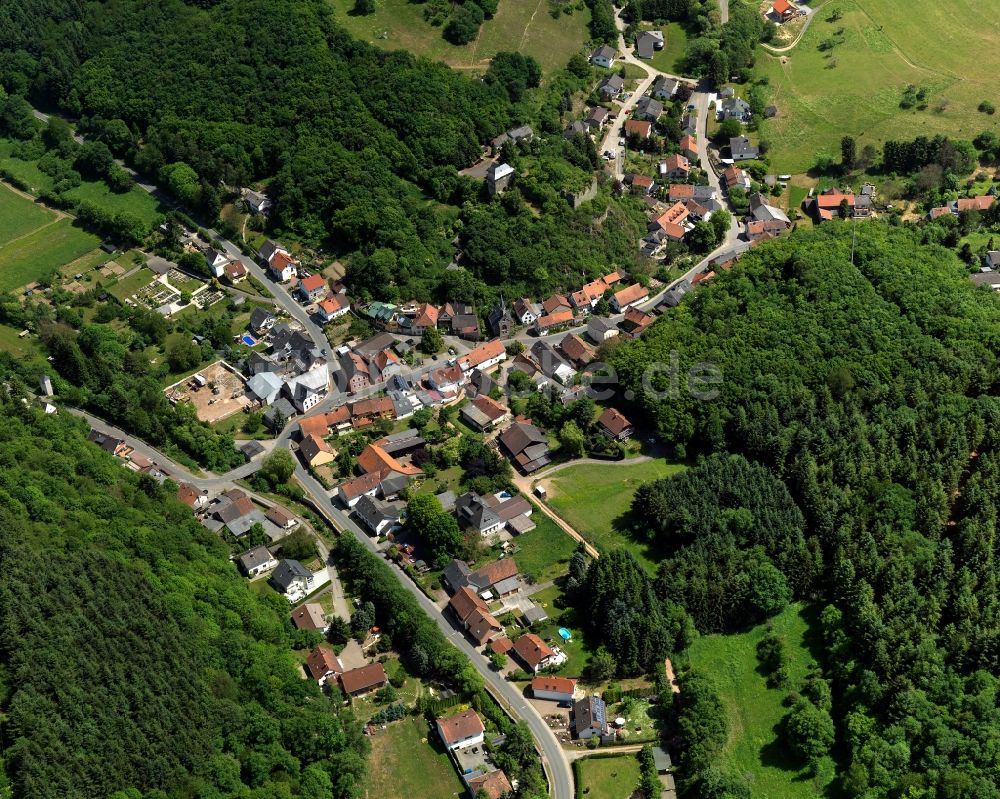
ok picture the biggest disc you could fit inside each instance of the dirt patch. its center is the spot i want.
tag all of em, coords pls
(216, 392)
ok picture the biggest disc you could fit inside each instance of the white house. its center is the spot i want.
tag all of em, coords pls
(256, 561)
(603, 56)
(333, 307)
(461, 730)
(525, 311)
(216, 262)
(557, 689)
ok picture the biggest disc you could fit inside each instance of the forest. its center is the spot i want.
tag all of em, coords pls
(359, 147)
(136, 663)
(851, 459)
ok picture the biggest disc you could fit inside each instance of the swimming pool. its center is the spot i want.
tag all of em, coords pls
(249, 340)
(565, 634)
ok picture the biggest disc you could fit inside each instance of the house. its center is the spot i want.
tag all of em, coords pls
(446, 379)
(306, 390)
(783, 10)
(280, 517)
(689, 148)
(590, 717)
(375, 460)
(498, 578)
(309, 617)
(597, 118)
(990, 279)
(358, 682)
(991, 260)
(827, 204)
(577, 351)
(473, 615)
(115, 446)
(355, 371)
(613, 424)
(265, 386)
(322, 664)
(292, 578)
(550, 321)
(525, 311)
(455, 575)
(378, 516)
(649, 108)
(461, 730)
(256, 561)
(500, 320)
(236, 271)
(638, 127)
(761, 211)
(484, 357)
(762, 231)
(558, 689)
(555, 303)
(474, 514)
(258, 363)
(734, 108)
(350, 491)
(485, 413)
(664, 88)
(494, 785)
(316, 452)
(673, 296)
(278, 261)
(629, 296)
(425, 316)
(587, 297)
(311, 288)
(278, 414)
(637, 321)
(647, 43)
(677, 167)
(688, 192)
(532, 652)
(641, 184)
(735, 177)
(551, 364)
(257, 203)
(333, 307)
(260, 321)
(742, 150)
(603, 56)
(574, 129)
(366, 412)
(611, 87)
(465, 326)
(498, 178)
(522, 134)
(600, 330)
(526, 446)
(217, 261)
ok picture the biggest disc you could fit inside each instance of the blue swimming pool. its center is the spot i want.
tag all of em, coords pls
(565, 634)
(249, 340)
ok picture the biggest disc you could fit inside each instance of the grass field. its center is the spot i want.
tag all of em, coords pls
(545, 551)
(607, 777)
(855, 87)
(595, 500)
(755, 711)
(522, 25)
(42, 251)
(671, 57)
(19, 216)
(404, 762)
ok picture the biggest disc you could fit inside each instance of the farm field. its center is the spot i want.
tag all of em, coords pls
(39, 249)
(854, 88)
(595, 500)
(607, 777)
(755, 711)
(404, 763)
(522, 25)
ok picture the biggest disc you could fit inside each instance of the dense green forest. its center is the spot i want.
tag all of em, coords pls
(360, 147)
(134, 661)
(859, 407)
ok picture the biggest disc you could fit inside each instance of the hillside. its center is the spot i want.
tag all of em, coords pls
(131, 647)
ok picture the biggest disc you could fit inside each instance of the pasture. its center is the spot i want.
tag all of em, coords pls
(754, 712)
(869, 56)
(35, 241)
(524, 26)
(406, 760)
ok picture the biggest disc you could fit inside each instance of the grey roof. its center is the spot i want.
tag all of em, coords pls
(661, 758)
(521, 132)
(281, 406)
(645, 44)
(612, 84)
(456, 574)
(604, 51)
(287, 573)
(253, 558)
(374, 512)
(392, 485)
(735, 108)
(665, 85)
(264, 386)
(507, 586)
(762, 212)
(447, 500)
(992, 259)
(991, 279)
(403, 440)
(673, 297)
(473, 512)
(590, 712)
(535, 614)
(241, 525)
(649, 106)
(574, 128)
(251, 448)
(259, 317)
(742, 149)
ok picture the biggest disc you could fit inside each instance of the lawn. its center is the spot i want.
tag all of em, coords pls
(130, 284)
(545, 551)
(525, 26)
(19, 216)
(595, 500)
(854, 88)
(671, 58)
(11, 342)
(755, 711)
(407, 761)
(42, 252)
(576, 649)
(607, 777)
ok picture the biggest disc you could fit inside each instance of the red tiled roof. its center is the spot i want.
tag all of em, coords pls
(375, 460)
(677, 162)
(464, 602)
(334, 303)
(532, 650)
(554, 302)
(493, 409)
(494, 785)
(427, 316)
(460, 726)
(640, 127)
(360, 485)
(565, 685)
(321, 662)
(980, 203)
(502, 646)
(280, 260)
(631, 294)
(642, 181)
(553, 319)
(366, 677)
(497, 570)
(312, 282)
(484, 352)
(614, 421)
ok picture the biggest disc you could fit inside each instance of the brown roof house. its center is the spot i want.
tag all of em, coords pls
(358, 682)
(322, 664)
(494, 784)
(533, 653)
(461, 730)
(309, 617)
(526, 446)
(614, 424)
